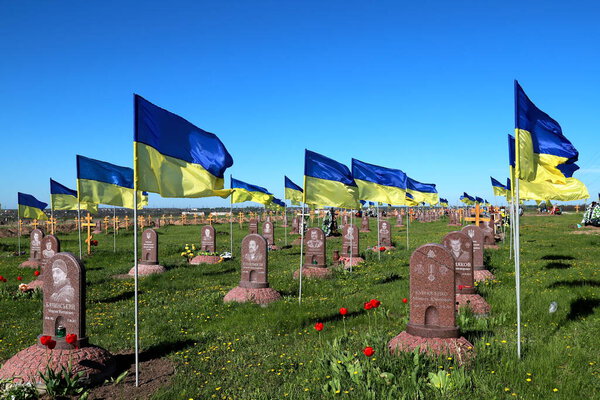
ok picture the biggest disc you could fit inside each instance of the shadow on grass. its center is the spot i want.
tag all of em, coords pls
(557, 265)
(574, 283)
(339, 317)
(120, 297)
(581, 308)
(225, 271)
(390, 278)
(557, 257)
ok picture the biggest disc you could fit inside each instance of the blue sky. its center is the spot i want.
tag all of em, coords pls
(426, 87)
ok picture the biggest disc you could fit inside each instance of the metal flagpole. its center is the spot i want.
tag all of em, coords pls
(517, 243)
(51, 215)
(378, 238)
(114, 229)
(285, 226)
(19, 222)
(351, 240)
(79, 224)
(301, 247)
(135, 258)
(407, 225)
(231, 223)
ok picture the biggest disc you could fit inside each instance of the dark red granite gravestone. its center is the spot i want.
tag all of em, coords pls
(350, 255)
(432, 325)
(50, 246)
(364, 224)
(208, 241)
(489, 238)
(461, 247)
(268, 232)
(149, 265)
(385, 234)
(399, 221)
(35, 249)
(345, 219)
(253, 226)
(63, 314)
(295, 224)
(98, 228)
(315, 260)
(285, 221)
(254, 283)
(480, 273)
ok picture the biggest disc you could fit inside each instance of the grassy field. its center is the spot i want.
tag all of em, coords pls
(243, 351)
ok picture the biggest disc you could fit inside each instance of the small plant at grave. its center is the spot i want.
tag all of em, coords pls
(9, 390)
(446, 382)
(62, 382)
(118, 379)
(188, 252)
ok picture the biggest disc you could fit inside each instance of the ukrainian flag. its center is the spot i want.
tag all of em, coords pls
(410, 200)
(376, 183)
(542, 145)
(479, 200)
(465, 198)
(277, 203)
(422, 192)
(173, 157)
(243, 191)
(105, 183)
(293, 192)
(541, 189)
(444, 202)
(328, 182)
(499, 189)
(30, 207)
(63, 198)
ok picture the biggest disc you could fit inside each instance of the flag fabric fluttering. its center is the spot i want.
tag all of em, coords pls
(410, 200)
(479, 200)
(30, 207)
(377, 183)
(542, 145)
(443, 202)
(101, 182)
(63, 198)
(422, 192)
(175, 158)
(467, 199)
(293, 192)
(328, 182)
(243, 191)
(498, 188)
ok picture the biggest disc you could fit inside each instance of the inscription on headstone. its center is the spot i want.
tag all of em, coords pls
(476, 235)
(149, 247)
(364, 224)
(209, 240)
(254, 262)
(461, 248)
(50, 246)
(268, 232)
(350, 241)
(315, 245)
(253, 226)
(35, 245)
(385, 234)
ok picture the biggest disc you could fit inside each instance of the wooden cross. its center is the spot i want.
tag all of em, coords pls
(171, 219)
(35, 223)
(148, 220)
(106, 224)
(77, 223)
(182, 219)
(210, 219)
(49, 226)
(89, 225)
(577, 208)
(116, 224)
(141, 221)
(477, 217)
(312, 215)
(195, 219)
(126, 222)
(241, 219)
(53, 226)
(20, 225)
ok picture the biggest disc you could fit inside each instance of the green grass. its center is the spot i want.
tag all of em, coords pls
(243, 351)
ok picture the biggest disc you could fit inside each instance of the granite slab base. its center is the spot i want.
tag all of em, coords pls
(475, 302)
(250, 295)
(31, 264)
(205, 260)
(346, 261)
(460, 348)
(491, 247)
(95, 363)
(481, 275)
(314, 273)
(144, 269)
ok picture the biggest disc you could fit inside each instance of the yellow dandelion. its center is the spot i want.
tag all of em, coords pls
(555, 390)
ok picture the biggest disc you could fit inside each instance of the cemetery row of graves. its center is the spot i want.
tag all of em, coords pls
(418, 305)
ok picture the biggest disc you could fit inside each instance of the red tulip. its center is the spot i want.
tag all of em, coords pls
(319, 326)
(368, 351)
(460, 287)
(1, 278)
(19, 278)
(45, 339)
(51, 344)
(382, 248)
(368, 305)
(375, 303)
(71, 338)
(36, 272)
(405, 300)
(343, 311)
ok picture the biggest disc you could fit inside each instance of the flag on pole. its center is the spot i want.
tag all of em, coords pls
(30, 207)
(410, 200)
(243, 191)
(64, 198)
(479, 200)
(467, 199)
(542, 145)
(443, 202)
(498, 188)
(328, 182)
(422, 192)
(175, 158)
(101, 182)
(293, 192)
(377, 183)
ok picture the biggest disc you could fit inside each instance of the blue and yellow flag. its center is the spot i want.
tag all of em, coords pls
(377, 183)
(443, 202)
(63, 198)
(105, 183)
(410, 200)
(422, 192)
(328, 182)
(243, 191)
(30, 207)
(278, 203)
(465, 198)
(173, 157)
(498, 188)
(542, 145)
(293, 192)
(479, 200)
